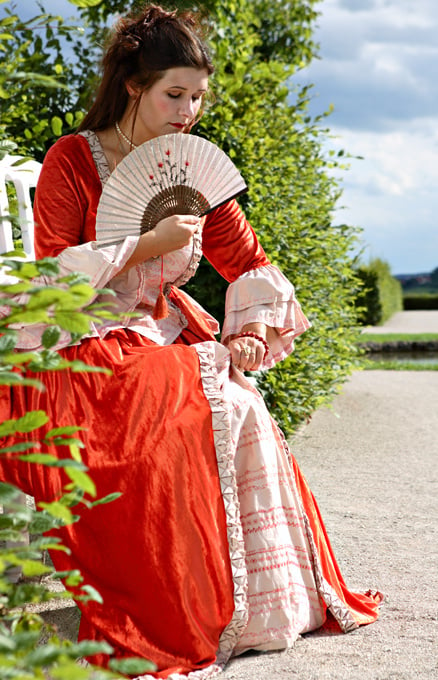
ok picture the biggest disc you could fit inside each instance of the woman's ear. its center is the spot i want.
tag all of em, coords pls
(132, 89)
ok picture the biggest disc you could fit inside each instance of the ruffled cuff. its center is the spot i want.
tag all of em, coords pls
(265, 296)
(100, 263)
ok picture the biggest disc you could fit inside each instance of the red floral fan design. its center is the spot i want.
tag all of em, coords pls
(168, 175)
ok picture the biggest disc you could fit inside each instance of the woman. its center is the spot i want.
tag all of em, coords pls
(216, 545)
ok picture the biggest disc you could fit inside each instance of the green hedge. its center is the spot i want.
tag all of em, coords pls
(380, 295)
(420, 301)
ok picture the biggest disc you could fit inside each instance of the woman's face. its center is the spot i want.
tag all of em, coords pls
(169, 105)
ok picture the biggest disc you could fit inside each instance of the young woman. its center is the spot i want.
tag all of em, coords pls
(216, 545)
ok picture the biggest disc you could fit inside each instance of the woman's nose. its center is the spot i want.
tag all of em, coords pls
(187, 108)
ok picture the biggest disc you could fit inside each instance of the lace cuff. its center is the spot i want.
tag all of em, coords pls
(264, 295)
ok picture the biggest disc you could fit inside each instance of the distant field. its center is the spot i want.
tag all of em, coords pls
(424, 290)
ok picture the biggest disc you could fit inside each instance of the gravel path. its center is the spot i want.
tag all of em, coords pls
(372, 463)
(415, 321)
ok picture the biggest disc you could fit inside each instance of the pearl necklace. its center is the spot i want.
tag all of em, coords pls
(124, 137)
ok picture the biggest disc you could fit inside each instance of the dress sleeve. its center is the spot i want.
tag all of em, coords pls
(66, 200)
(230, 244)
(258, 291)
(264, 295)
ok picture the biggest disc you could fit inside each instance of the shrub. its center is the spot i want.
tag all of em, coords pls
(420, 301)
(380, 295)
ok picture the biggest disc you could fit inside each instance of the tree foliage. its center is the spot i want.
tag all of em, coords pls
(43, 61)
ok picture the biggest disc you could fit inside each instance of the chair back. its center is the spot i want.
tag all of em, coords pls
(23, 175)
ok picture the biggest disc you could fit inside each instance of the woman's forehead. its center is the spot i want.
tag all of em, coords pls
(185, 77)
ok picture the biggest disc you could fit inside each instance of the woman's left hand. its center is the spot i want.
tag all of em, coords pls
(246, 353)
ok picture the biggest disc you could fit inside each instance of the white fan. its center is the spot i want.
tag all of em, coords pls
(168, 175)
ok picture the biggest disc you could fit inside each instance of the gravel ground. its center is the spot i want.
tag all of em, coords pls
(372, 463)
(415, 321)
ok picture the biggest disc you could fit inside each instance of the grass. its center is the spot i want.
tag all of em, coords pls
(388, 365)
(397, 337)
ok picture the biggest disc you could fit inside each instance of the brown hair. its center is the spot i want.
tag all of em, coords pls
(141, 49)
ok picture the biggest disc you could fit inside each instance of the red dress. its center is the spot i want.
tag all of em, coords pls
(216, 544)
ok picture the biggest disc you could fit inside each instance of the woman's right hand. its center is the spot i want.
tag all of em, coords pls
(175, 232)
(169, 234)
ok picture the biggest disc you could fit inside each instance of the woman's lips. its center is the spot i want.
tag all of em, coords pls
(179, 126)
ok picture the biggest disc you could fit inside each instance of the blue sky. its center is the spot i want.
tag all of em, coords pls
(378, 67)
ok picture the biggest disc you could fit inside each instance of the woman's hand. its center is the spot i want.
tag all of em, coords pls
(175, 232)
(246, 353)
(169, 234)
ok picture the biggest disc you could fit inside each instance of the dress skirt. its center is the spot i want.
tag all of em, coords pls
(216, 545)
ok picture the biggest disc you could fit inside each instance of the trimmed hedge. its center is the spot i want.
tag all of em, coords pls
(420, 301)
(381, 294)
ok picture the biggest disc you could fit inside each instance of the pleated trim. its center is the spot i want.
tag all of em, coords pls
(98, 154)
(227, 475)
(334, 603)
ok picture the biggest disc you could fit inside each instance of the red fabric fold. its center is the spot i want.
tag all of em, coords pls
(159, 554)
(364, 607)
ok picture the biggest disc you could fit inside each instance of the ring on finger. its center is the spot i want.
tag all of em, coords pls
(246, 351)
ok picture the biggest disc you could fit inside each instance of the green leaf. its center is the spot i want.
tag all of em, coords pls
(7, 644)
(107, 499)
(42, 522)
(89, 594)
(50, 336)
(58, 510)
(52, 461)
(30, 421)
(7, 493)
(132, 666)
(80, 367)
(68, 669)
(85, 3)
(56, 124)
(48, 266)
(74, 322)
(67, 430)
(90, 648)
(32, 568)
(8, 341)
(82, 480)
(44, 655)
(20, 446)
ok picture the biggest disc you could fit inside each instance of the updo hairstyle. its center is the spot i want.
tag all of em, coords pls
(140, 49)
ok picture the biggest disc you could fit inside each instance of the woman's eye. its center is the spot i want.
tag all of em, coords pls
(173, 96)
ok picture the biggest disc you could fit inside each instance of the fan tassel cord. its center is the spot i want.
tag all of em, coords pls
(161, 309)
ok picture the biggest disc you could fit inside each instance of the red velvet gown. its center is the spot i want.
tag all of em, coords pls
(216, 544)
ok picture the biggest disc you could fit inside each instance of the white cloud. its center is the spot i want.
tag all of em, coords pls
(379, 61)
(392, 193)
(379, 68)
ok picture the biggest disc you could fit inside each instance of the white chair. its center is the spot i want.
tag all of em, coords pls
(23, 175)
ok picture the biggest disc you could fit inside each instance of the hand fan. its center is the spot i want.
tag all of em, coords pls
(168, 175)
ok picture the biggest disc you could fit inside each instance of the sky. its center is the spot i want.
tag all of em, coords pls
(378, 67)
